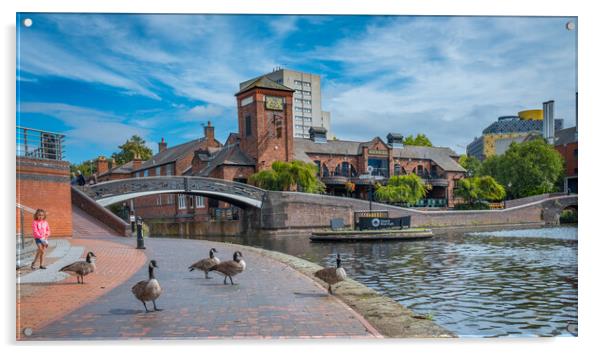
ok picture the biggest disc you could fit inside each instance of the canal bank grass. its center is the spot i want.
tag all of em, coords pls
(388, 317)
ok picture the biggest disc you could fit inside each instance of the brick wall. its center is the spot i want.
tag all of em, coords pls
(45, 184)
(288, 210)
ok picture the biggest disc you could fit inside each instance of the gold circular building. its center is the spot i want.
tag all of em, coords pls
(531, 114)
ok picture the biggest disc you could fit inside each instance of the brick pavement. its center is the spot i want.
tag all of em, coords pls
(270, 300)
(41, 303)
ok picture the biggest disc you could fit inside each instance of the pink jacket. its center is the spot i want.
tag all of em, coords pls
(41, 229)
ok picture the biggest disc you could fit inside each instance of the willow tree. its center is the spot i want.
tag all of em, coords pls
(402, 189)
(289, 176)
(479, 188)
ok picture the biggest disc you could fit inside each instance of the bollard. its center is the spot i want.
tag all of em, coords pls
(139, 239)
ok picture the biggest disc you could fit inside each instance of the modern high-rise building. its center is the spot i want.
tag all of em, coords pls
(307, 100)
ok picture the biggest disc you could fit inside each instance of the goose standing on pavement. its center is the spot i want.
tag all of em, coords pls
(82, 268)
(148, 290)
(206, 263)
(332, 275)
(230, 268)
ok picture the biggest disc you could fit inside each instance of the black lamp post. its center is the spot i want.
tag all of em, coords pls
(140, 240)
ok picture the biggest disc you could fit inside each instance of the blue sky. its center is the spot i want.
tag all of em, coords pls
(101, 78)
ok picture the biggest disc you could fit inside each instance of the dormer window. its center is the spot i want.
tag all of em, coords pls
(318, 134)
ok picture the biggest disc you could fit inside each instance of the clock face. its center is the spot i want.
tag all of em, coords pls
(274, 103)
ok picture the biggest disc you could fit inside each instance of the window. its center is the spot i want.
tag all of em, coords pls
(575, 153)
(181, 201)
(298, 127)
(397, 169)
(299, 119)
(169, 170)
(159, 200)
(318, 164)
(158, 171)
(345, 169)
(246, 101)
(170, 199)
(248, 126)
(145, 173)
(199, 201)
(137, 174)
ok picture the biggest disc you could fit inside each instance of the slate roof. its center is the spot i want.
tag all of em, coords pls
(126, 168)
(442, 156)
(172, 154)
(264, 82)
(230, 155)
(565, 136)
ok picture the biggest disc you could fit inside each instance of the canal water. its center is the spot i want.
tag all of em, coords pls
(484, 284)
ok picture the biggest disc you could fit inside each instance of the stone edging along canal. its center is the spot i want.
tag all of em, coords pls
(390, 318)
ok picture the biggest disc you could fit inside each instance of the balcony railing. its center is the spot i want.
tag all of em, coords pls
(428, 203)
(40, 144)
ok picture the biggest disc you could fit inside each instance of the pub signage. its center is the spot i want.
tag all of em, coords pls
(378, 152)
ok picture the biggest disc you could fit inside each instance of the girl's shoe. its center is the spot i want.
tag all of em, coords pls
(42, 267)
(33, 267)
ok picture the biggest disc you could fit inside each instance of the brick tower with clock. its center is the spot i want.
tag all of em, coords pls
(265, 122)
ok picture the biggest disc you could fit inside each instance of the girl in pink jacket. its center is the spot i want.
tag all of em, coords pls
(41, 232)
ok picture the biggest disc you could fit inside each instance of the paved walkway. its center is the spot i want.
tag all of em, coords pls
(54, 294)
(269, 300)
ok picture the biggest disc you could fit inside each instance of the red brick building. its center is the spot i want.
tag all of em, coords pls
(566, 144)
(265, 135)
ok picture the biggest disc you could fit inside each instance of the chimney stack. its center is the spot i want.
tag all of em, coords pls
(162, 145)
(548, 122)
(209, 133)
(102, 165)
(136, 162)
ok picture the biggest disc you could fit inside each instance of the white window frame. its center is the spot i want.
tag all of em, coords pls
(181, 201)
(199, 201)
(158, 171)
(159, 200)
(146, 173)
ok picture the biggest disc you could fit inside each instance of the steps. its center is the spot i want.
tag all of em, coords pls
(65, 253)
(26, 253)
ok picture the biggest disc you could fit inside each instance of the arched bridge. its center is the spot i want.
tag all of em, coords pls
(111, 192)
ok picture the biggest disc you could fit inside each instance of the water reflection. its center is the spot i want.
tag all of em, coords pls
(501, 283)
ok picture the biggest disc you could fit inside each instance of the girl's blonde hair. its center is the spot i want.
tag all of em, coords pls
(38, 212)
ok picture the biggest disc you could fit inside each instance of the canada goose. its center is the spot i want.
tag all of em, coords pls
(230, 268)
(332, 275)
(206, 263)
(148, 290)
(82, 268)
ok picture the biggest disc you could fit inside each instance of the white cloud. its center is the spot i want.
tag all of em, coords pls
(436, 75)
(95, 131)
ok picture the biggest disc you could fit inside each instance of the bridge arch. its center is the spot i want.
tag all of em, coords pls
(239, 194)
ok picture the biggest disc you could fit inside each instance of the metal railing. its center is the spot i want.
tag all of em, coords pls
(40, 144)
(21, 235)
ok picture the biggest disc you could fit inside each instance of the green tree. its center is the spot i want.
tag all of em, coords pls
(471, 164)
(132, 147)
(475, 189)
(526, 169)
(87, 168)
(402, 189)
(289, 176)
(419, 140)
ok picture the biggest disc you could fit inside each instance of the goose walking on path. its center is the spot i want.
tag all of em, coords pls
(206, 263)
(82, 268)
(332, 275)
(230, 268)
(148, 290)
